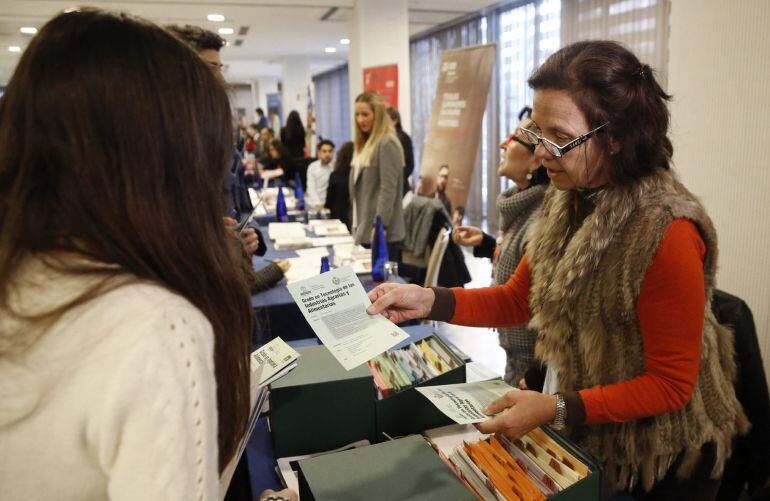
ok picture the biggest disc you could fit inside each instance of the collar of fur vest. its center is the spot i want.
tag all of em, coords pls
(569, 263)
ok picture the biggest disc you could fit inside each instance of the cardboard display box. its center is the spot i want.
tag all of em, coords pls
(404, 469)
(320, 406)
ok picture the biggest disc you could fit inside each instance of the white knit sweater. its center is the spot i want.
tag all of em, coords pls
(116, 400)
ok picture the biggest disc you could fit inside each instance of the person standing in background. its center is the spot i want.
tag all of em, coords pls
(377, 175)
(293, 135)
(442, 181)
(318, 176)
(517, 210)
(406, 145)
(261, 119)
(338, 195)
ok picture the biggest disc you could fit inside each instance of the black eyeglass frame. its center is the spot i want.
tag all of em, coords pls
(553, 148)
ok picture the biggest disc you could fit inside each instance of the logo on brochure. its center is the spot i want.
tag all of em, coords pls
(336, 280)
(303, 291)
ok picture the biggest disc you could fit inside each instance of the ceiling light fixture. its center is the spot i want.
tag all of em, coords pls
(217, 18)
(14, 48)
(28, 30)
(226, 31)
(330, 49)
(344, 41)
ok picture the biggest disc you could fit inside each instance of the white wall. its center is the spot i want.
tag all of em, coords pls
(295, 79)
(241, 97)
(719, 76)
(379, 35)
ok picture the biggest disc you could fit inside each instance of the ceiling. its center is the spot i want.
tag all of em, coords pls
(273, 29)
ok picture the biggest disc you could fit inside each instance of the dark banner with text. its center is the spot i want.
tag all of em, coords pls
(449, 154)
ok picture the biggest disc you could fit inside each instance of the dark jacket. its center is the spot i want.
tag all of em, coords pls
(338, 196)
(295, 144)
(406, 145)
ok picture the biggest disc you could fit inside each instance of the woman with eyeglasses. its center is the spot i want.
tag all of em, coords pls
(617, 280)
(517, 208)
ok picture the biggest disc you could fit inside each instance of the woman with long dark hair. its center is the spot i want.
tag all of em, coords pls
(124, 337)
(617, 280)
(338, 196)
(293, 135)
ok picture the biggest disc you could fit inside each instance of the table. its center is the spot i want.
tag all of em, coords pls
(276, 313)
(259, 449)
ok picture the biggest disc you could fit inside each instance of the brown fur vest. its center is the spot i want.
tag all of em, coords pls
(583, 295)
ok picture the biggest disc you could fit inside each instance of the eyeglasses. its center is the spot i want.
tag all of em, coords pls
(553, 148)
(513, 137)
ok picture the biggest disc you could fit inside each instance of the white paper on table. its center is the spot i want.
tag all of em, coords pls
(272, 357)
(446, 438)
(464, 403)
(323, 230)
(362, 266)
(324, 241)
(323, 222)
(476, 371)
(285, 230)
(313, 253)
(302, 268)
(334, 304)
(293, 243)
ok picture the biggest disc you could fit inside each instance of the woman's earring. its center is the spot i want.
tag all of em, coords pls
(529, 176)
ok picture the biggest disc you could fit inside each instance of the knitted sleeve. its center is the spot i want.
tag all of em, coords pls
(670, 310)
(156, 432)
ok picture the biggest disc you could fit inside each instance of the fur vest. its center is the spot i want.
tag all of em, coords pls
(583, 296)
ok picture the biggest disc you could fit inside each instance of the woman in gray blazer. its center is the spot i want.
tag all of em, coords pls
(377, 173)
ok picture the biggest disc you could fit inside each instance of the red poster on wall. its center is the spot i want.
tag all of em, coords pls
(383, 80)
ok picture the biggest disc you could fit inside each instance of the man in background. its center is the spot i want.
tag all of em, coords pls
(261, 119)
(442, 181)
(318, 174)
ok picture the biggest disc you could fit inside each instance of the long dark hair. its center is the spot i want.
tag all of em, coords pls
(294, 127)
(344, 156)
(609, 84)
(283, 152)
(110, 95)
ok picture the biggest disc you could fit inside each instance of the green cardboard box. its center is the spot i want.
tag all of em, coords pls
(320, 406)
(589, 488)
(403, 469)
(408, 412)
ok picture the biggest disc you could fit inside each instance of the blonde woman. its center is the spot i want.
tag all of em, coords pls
(377, 174)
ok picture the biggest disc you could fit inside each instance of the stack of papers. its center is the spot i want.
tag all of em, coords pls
(289, 243)
(285, 231)
(331, 229)
(359, 258)
(334, 304)
(314, 253)
(324, 241)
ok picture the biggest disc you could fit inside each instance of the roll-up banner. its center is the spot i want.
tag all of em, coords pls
(449, 153)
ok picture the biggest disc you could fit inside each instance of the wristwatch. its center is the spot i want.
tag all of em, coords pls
(561, 413)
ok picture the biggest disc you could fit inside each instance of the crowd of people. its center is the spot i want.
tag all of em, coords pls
(125, 320)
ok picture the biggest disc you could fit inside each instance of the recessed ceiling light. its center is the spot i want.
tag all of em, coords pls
(14, 48)
(28, 30)
(330, 49)
(217, 18)
(344, 41)
(226, 31)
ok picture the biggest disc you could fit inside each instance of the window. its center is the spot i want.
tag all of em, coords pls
(332, 105)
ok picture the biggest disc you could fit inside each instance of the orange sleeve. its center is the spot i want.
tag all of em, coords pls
(670, 309)
(504, 305)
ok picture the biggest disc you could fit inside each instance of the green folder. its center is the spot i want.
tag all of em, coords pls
(403, 469)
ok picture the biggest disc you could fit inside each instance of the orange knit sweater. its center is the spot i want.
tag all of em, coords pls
(670, 311)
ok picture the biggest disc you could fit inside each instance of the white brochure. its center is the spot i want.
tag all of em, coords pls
(273, 357)
(465, 402)
(334, 304)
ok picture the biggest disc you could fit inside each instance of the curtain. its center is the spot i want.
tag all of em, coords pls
(641, 25)
(332, 105)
